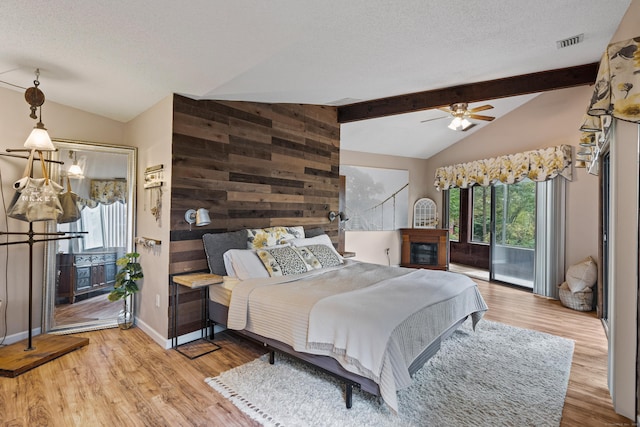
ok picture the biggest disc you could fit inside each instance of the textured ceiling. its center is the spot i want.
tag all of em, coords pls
(117, 59)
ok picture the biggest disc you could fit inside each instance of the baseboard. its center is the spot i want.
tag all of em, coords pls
(166, 343)
(10, 339)
(160, 339)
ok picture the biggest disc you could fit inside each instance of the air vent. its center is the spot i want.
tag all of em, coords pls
(570, 41)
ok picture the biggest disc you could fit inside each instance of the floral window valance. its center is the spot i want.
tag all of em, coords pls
(107, 191)
(617, 88)
(616, 94)
(537, 165)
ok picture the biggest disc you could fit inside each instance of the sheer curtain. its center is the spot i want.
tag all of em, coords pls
(114, 223)
(550, 237)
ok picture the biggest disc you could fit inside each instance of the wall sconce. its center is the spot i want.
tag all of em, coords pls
(199, 217)
(341, 215)
(39, 138)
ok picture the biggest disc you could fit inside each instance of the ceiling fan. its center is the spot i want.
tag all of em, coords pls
(461, 113)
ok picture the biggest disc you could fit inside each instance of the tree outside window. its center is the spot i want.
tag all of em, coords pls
(481, 214)
(516, 214)
(454, 214)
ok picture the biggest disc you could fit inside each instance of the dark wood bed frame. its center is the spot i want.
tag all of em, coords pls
(218, 314)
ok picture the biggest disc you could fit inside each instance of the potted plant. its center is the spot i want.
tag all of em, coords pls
(126, 285)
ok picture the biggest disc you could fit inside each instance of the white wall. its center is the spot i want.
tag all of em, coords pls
(371, 246)
(15, 125)
(151, 132)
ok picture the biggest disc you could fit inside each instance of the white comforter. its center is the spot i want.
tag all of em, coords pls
(374, 320)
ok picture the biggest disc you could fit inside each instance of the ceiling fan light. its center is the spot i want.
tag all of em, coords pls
(455, 123)
(465, 124)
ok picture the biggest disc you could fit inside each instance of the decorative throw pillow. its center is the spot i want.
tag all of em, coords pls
(321, 239)
(325, 255)
(283, 261)
(258, 238)
(582, 275)
(309, 258)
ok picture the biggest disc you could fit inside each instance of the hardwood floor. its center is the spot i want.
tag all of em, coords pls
(86, 310)
(124, 378)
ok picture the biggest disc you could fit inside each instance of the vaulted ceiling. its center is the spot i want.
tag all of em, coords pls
(117, 61)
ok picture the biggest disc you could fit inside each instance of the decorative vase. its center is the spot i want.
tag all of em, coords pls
(125, 317)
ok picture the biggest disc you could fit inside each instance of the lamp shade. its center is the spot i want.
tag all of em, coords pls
(39, 139)
(199, 217)
(75, 170)
(455, 123)
(202, 217)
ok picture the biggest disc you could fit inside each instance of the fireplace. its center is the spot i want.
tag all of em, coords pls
(425, 248)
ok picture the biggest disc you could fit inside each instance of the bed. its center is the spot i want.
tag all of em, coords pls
(371, 326)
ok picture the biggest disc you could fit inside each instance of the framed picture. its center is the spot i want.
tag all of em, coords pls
(376, 198)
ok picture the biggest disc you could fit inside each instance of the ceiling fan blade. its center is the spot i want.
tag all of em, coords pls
(445, 109)
(480, 108)
(480, 117)
(468, 127)
(435, 118)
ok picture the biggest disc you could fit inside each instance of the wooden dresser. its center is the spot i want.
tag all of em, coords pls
(81, 273)
(425, 248)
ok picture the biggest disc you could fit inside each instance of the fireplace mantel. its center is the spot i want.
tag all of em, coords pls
(425, 248)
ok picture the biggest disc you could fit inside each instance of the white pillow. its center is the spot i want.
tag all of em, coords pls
(322, 239)
(244, 264)
(582, 275)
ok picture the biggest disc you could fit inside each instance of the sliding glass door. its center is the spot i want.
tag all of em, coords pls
(513, 237)
(516, 230)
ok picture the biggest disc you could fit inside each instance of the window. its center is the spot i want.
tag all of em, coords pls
(453, 211)
(515, 214)
(481, 214)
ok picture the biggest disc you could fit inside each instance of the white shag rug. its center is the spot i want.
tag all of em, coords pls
(498, 375)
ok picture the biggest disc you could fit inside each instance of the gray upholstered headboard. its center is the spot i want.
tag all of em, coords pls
(215, 245)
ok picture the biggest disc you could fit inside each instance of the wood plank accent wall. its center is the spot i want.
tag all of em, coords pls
(251, 165)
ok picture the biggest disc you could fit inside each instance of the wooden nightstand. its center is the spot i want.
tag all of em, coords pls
(194, 281)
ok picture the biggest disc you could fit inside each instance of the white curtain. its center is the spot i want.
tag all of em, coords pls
(114, 224)
(550, 237)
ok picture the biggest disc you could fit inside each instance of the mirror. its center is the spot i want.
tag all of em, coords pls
(80, 272)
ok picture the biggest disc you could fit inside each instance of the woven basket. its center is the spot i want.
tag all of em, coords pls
(580, 301)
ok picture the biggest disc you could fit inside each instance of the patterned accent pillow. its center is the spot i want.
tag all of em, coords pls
(283, 261)
(309, 258)
(258, 238)
(325, 255)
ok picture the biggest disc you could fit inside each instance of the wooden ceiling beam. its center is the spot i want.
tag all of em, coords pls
(473, 92)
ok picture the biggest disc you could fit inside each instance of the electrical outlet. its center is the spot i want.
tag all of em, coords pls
(387, 251)
(157, 300)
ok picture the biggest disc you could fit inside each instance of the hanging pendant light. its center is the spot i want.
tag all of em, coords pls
(75, 171)
(39, 138)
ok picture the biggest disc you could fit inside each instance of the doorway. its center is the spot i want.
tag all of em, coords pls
(513, 237)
